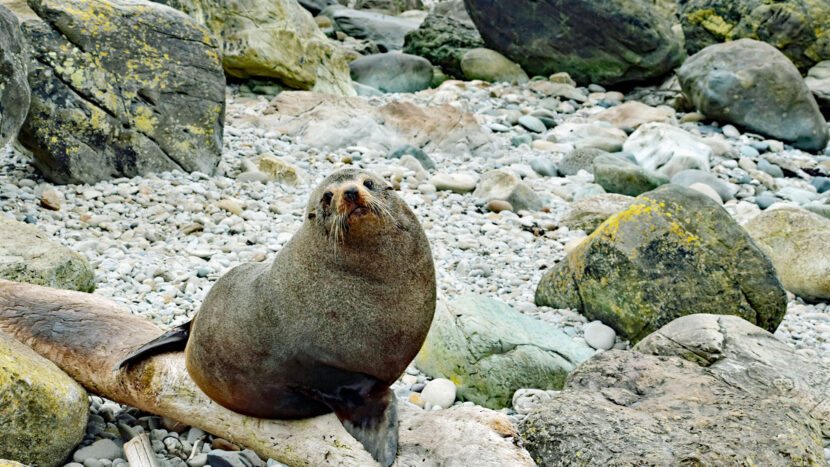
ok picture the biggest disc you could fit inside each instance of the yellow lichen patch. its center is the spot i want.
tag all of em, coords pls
(712, 22)
(144, 119)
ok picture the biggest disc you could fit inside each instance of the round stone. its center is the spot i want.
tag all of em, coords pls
(599, 336)
(439, 392)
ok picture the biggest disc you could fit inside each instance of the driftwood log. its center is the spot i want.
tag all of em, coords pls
(86, 335)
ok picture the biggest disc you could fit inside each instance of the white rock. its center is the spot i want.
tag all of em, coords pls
(667, 149)
(599, 336)
(458, 183)
(440, 392)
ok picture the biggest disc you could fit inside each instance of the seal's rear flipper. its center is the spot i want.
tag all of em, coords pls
(365, 406)
(171, 341)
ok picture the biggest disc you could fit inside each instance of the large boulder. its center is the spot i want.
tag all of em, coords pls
(672, 253)
(596, 42)
(800, 29)
(443, 41)
(490, 350)
(275, 39)
(27, 255)
(627, 408)
(748, 357)
(333, 122)
(388, 32)
(44, 411)
(751, 84)
(392, 72)
(14, 88)
(798, 243)
(121, 89)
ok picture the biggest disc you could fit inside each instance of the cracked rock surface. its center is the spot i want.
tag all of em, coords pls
(627, 408)
(14, 90)
(120, 90)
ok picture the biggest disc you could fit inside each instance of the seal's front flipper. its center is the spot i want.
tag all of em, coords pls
(170, 341)
(376, 427)
(365, 406)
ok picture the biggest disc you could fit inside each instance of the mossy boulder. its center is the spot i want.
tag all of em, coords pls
(43, 412)
(798, 242)
(671, 253)
(751, 84)
(443, 41)
(798, 28)
(121, 89)
(27, 255)
(489, 350)
(275, 39)
(14, 88)
(606, 42)
(627, 408)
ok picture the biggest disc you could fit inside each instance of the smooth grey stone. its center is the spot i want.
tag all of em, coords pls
(689, 177)
(543, 166)
(822, 184)
(749, 151)
(101, 449)
(770, 168)
(765, 200)
(519, 140)
(414, 151)
(532, 123)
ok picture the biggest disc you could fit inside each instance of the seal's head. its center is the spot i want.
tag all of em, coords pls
(353, 206)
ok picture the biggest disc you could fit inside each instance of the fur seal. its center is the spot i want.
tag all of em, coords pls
(328, 325)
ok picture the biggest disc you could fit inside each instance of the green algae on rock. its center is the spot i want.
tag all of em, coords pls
(27, 255)
(120, 90)
(673, 252)
(489, 350)
(43, 412)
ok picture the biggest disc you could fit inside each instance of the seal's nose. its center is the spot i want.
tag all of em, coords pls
(350, 194)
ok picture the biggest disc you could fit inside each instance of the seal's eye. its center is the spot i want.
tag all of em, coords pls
(327, 196)
(368, 184)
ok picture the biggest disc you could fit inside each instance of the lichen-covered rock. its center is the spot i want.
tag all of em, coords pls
(798, 243)
(748, 357)
(275, 39)
(43, 412)
(673, 252)
(798, 28)
(27, 255)
(121, 89)
(753, 85)
(490, 350)
(604, 42)
(588, 213)
(14, 88)
(626, 408)
(443, 41)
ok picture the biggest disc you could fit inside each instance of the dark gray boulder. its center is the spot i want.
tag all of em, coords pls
(604, 42)
(316, 6)
(386, 31)
(14, 89)
(751, 84)
(120, 90)
(443, 41)
(392, 72)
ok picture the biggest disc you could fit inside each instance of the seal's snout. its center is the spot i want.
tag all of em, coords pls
(351, 194)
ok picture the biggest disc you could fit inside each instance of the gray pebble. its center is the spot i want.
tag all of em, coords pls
(532, 124)
(772, 169)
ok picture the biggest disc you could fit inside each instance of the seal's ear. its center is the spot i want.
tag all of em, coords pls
(312, 214)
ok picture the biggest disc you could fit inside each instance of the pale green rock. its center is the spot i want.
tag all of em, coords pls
(798, 242)
(489, 350)
(489, 65)
(617, 175)
(28, 255)
(43, 412)
(272, 39)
